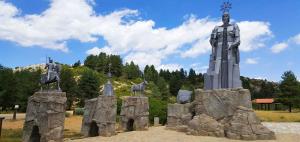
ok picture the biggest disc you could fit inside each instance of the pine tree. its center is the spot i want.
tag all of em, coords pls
(88, 85)
(290, 90)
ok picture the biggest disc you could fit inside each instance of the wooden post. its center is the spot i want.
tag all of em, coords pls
(1, 119)
(15, 115)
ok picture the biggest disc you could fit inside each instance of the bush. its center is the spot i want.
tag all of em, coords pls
(78, 111)
(67, 114)
(158, 108)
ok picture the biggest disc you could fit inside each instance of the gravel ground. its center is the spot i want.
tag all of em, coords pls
(160, 134)
(283, 127)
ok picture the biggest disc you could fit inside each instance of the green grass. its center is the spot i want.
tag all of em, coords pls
(278, 116)
(11, 135)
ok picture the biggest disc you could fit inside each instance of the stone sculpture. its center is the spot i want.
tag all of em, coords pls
(108, 88)
(45, 116)
(52, 75)
(223, 71)
(100, 113)
(139, 87)
(223, 108)
(184, 96)
(134, 113)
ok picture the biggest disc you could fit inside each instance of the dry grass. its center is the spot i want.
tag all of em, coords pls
(278, 116)
(12, 130)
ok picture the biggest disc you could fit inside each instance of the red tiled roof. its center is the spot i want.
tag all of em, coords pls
(263, 101)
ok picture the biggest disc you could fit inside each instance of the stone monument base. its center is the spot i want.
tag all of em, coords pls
(45, 116)
(134, 113)
(221, 113)
(99, 116)
(179, 116)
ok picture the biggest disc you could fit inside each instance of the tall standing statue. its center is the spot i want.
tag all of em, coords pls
(52, 74)
(223, 71)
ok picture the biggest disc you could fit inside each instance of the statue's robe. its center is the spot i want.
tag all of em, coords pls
(223, 71)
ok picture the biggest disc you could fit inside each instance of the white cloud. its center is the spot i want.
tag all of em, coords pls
(253, 34)
(296, 39)
(252, 60)
(97, 50)
(124, 32)
(170, 67)
(277, 48)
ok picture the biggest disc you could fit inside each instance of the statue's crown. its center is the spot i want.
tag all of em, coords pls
(225, 7)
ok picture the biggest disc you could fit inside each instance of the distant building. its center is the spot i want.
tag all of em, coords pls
(266, 104)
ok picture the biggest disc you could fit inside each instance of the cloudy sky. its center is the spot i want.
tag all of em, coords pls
(169, 34)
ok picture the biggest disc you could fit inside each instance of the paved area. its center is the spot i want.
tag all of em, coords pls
(10, 116)
(283, 127)
(160, 134)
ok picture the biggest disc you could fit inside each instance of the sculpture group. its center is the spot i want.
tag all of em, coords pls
(222, 109)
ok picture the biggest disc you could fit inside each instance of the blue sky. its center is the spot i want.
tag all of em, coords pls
(169, 34)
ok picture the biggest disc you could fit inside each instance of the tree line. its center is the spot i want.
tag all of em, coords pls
(82, 82)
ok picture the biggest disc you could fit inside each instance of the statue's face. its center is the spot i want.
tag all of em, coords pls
(50, 61)
(225, 18)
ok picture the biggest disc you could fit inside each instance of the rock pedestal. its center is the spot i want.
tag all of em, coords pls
(178, 115)
(232, 111)
(135, 113)
(99, 116)
(45, 116)
(220, 103)
(245, 125)
(219, 113)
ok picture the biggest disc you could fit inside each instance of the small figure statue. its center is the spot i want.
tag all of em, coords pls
(52, 74)
(139, 87)
(108, 88)
(184, 96)
(223, 71)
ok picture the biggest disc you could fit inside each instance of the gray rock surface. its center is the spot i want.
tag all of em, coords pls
(184, 96)
(203, 125)
(178, 115)
(245, 125)
(45, 116)
(102, 111)
(221, 103)
(222, 112)
(134, 113)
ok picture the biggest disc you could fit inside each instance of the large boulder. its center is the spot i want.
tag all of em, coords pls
(184, 96)
(220, 103)
(204, 125)
(178, 115)
(245, 125)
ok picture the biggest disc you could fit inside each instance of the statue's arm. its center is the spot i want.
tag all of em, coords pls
(213, 41)
(236, 41)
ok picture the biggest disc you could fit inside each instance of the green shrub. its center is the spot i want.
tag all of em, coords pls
(78, 111)
(158, 108)
(67, 114)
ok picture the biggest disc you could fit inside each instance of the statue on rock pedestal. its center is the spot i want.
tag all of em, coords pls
(223, 71)
(52, 74)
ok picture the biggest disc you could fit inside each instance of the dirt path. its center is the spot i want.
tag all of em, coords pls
(160, 134)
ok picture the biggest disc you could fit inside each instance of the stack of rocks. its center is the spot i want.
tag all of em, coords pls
(179, 116)
(224, 113)
(135, 113)
(45, 116)
(99, 116)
